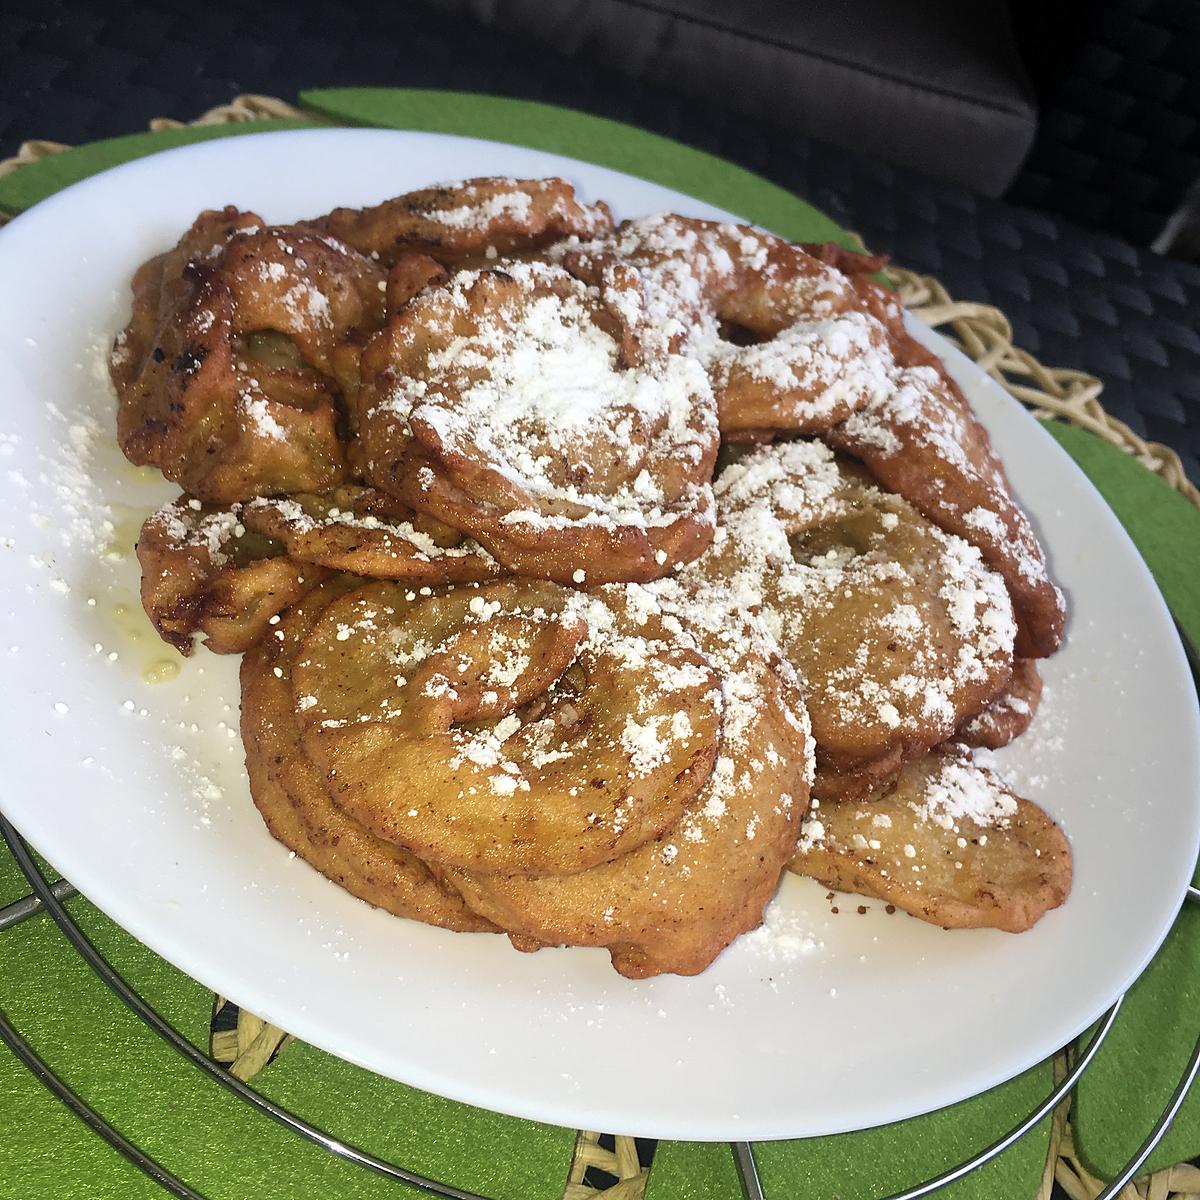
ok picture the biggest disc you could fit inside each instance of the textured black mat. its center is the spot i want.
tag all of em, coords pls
(1078, 298)
(1119, 85)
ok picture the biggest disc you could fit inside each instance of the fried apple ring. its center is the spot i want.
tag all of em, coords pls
(474, 219)
(854, 263)
(947, 842)
(226, 373)
(289, 791)
(519, 405)
(369, 533)
(1009, 715)
(897, 630)
(923, 442)
(779, 331)
(675, 903)
(203, 572)
(513, 727)
(921, 439)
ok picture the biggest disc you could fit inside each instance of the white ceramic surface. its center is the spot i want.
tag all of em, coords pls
(137, 793)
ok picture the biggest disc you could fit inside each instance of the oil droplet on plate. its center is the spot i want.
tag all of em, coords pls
(141, 474)
(126, 526)
(132, 640)
(131, 623)
(161, 671)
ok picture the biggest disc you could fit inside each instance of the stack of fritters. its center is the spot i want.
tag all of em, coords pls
(572, 562)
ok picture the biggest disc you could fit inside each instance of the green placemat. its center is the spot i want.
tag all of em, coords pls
(878, 1162)
(194, 1128)
(593, 139)
(35, 181)
(1164, 525)
(188, 1123)
(1128, 1085)
(1131, 1079)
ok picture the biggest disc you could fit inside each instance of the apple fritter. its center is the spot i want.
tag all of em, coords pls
(515, 661)
(370, 533)
(898, 631)
(779, 331)
(1009, 715)
(921, 439)
(456, 223)
(517, 726)
(676, 902)
(947, 842)
(204, 572)
(853, 263)
(410, 274)
(226, 373)
(289, 790)
(518, 404)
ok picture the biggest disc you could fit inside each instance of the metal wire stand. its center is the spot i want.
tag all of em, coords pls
(50, 896)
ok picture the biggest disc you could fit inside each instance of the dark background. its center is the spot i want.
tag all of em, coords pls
(1118, 82)
(1118, 85)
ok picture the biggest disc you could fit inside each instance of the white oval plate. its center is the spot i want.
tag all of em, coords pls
(817, 1024)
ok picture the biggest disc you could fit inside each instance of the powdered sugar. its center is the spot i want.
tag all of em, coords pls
(485, 210)
(59, 478)
(775, 494)
(813, 368)
(785, 935)
(258, 410)
(960, 791)
(538, 391)
(184, 523)
(302, 520)
(920, 437)
(669, 700)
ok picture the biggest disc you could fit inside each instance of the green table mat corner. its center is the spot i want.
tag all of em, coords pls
(211, 1140)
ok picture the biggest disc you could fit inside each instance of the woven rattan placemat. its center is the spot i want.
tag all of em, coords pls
(611, 1167)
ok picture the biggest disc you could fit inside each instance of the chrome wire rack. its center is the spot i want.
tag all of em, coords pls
(49, 896)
